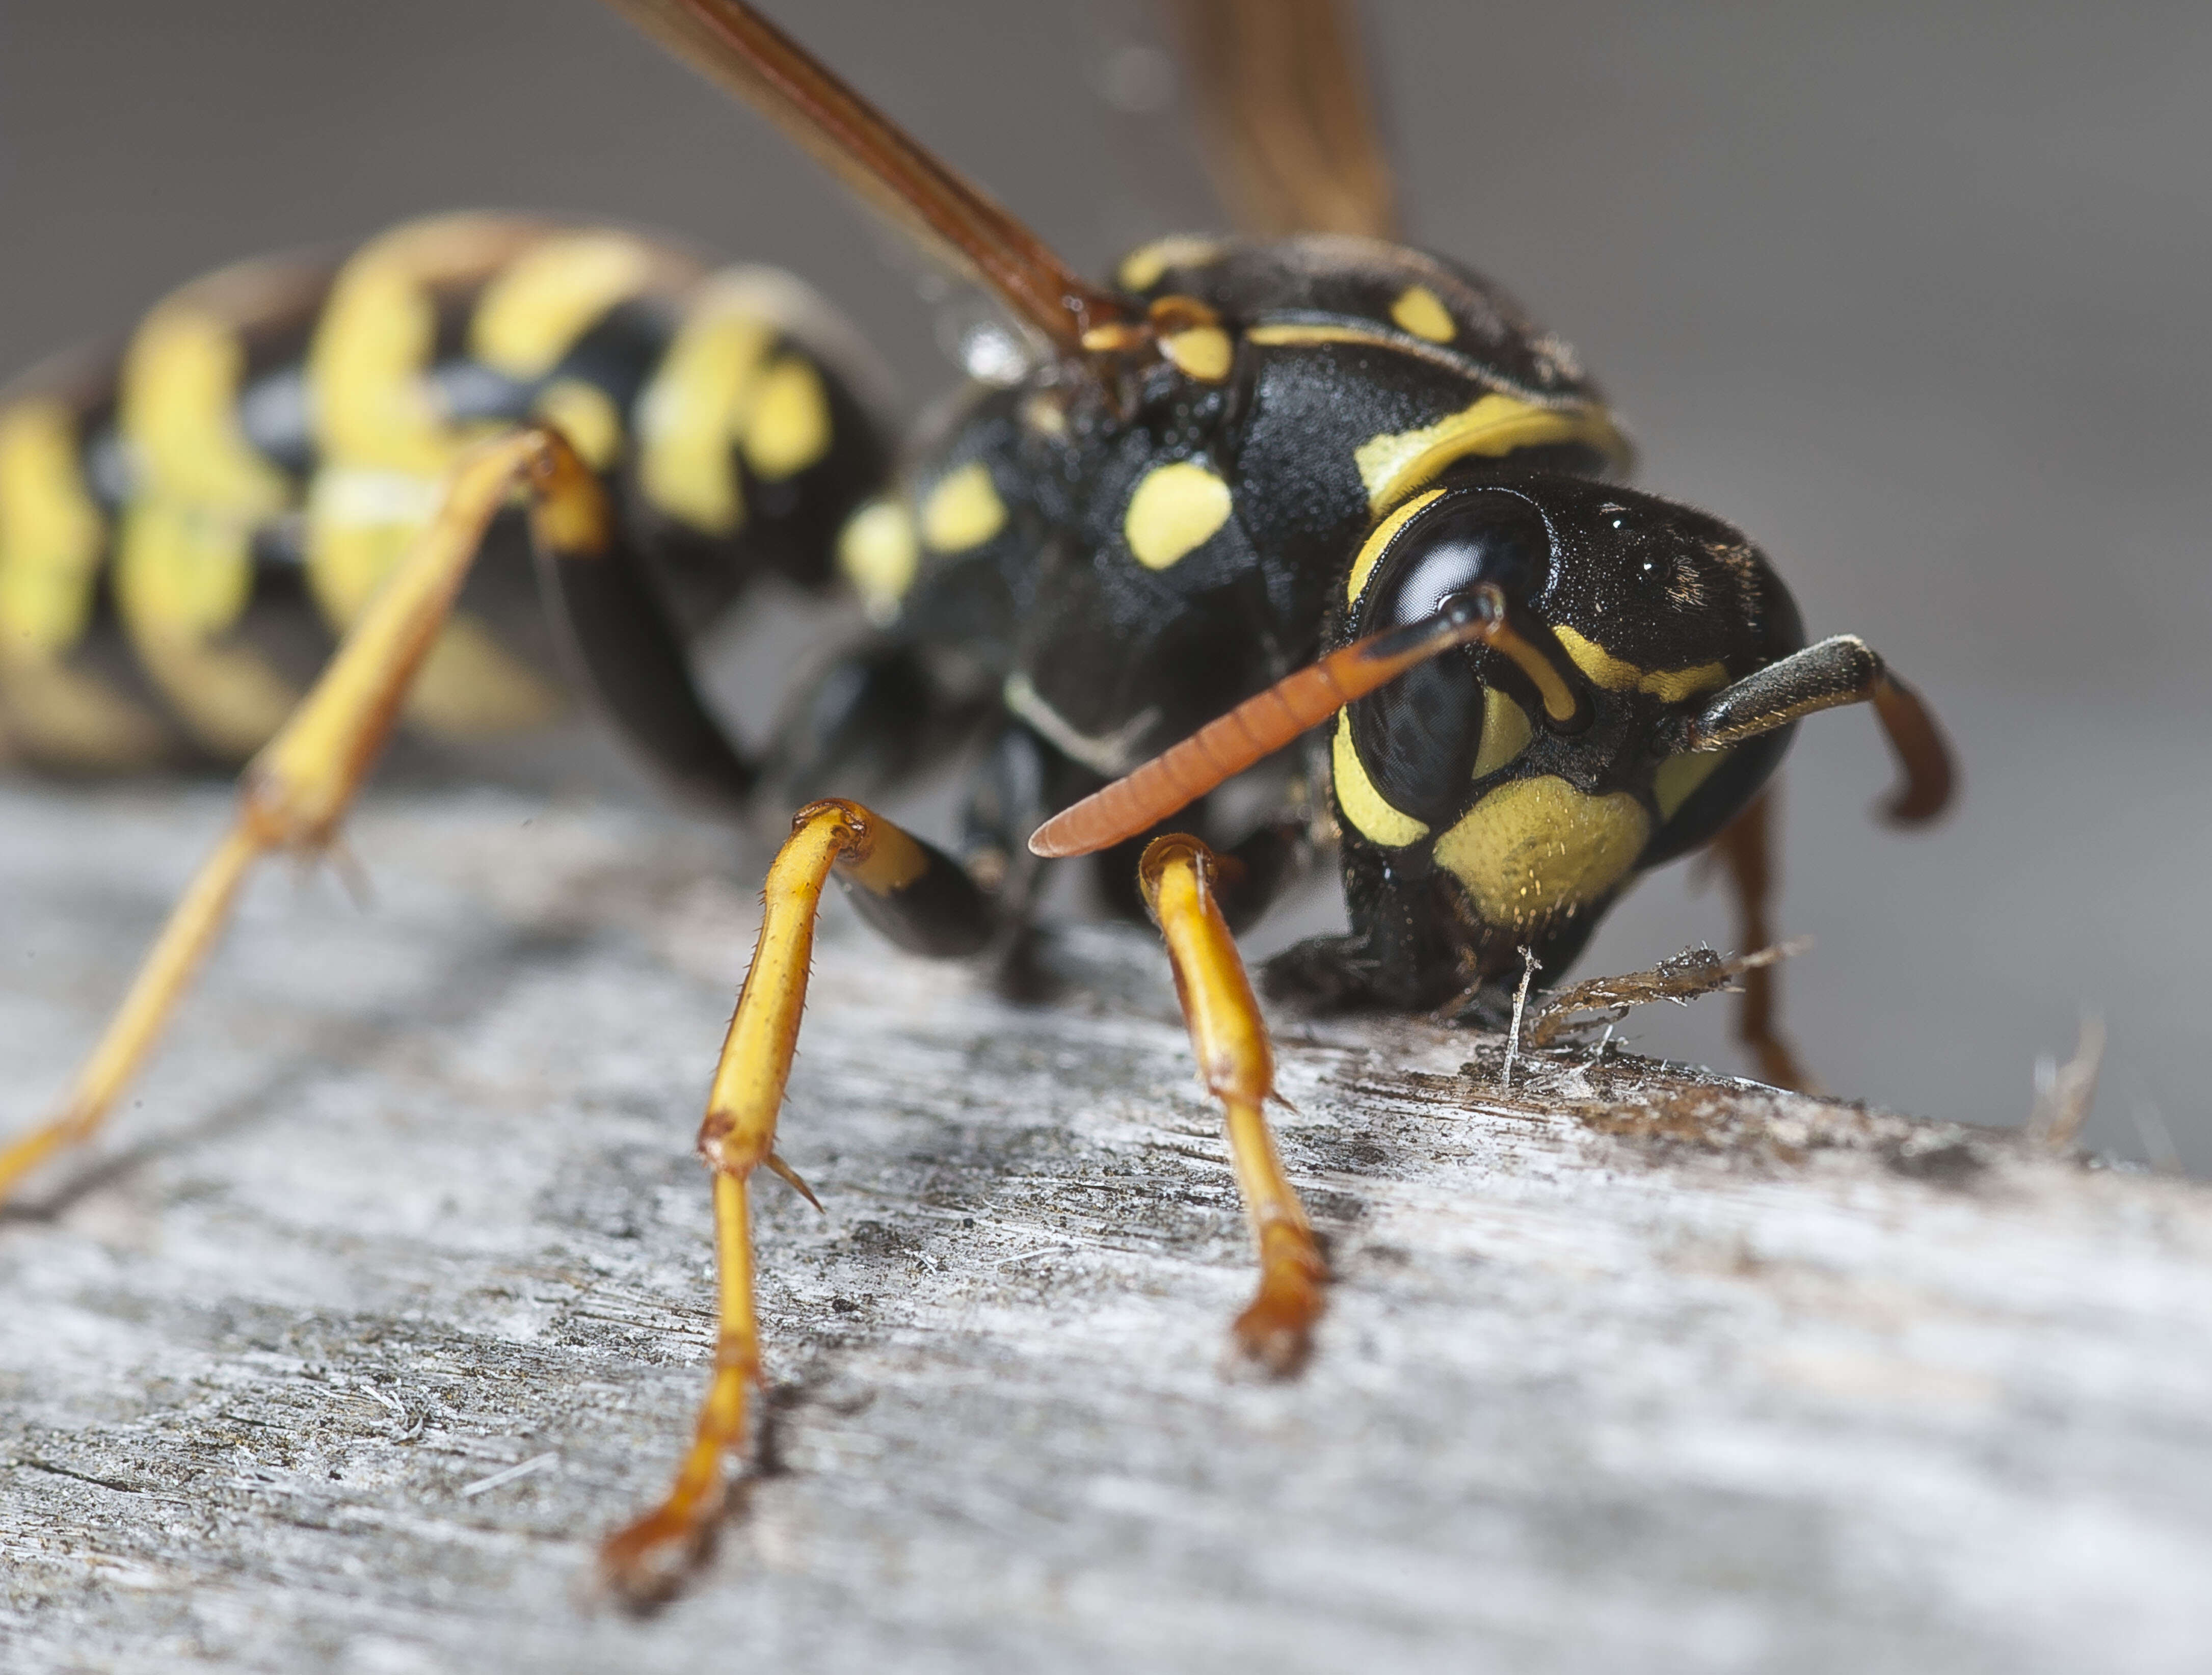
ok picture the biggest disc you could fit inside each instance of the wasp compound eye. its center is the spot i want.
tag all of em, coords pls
(1424, 739)
(1464, 541)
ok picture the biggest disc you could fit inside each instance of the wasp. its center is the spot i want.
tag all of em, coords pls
(1304, 510)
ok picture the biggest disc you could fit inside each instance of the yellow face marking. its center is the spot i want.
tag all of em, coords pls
(534, 312)
(1679, 775)
(1535, 848)
(1393, 465)
(789, 428)
(1364, 805)
(1175, 509)
(1370, 550)
(1505, 732)
(586, 415)
(50, 534)
(879, 556)
(1203, 353)
(1616, 675)
(963, 510)
(1141, 268)
(690, 416)
(1420, 311)
(378, 330)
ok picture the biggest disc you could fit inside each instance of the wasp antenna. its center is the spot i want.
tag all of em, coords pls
(1263, 724)
(731, 43)
(1923, 758)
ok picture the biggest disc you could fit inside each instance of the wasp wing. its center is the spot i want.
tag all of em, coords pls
(1286, 115)
(733, 45)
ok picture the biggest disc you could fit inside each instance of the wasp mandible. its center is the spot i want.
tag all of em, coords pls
(1307, 500)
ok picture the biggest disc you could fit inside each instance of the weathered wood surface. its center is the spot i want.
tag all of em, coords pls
(392, 1291)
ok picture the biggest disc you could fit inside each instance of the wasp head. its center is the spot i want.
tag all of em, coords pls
(1498, 795)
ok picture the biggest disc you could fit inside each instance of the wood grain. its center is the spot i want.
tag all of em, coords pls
(1631, 1369)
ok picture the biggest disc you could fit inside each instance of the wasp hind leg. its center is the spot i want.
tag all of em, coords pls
(294, 794)
(923, 901)
(1179, 876)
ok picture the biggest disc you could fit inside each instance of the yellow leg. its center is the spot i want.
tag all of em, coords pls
(1236, 1065)
(643, 1560)
(294, 793)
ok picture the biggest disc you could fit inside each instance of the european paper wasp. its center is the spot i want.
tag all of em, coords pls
(1305, 502)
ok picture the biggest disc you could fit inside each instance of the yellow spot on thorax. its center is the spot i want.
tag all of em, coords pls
(1203, 353)
(1420, 311)
(1295, 333)
(1365, 807)
(1370, 550)
(1393, 465)
(963, 510)
(879, 556)
(1141, 268)
(1176, 510)
(789, 428)
(1617, 675)
(1505, 733)
(1537, 847)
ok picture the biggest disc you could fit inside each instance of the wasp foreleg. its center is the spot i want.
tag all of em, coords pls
(1746, 847)
(1178, 876)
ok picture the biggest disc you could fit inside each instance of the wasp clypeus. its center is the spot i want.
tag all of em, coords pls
(1311, 496)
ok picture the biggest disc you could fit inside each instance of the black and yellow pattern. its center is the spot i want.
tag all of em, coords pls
(184, 533)
(1319, 488)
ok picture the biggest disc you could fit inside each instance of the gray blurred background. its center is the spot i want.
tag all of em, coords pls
(1914, 294)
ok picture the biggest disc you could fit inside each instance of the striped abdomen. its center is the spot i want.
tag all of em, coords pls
(186, 529)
